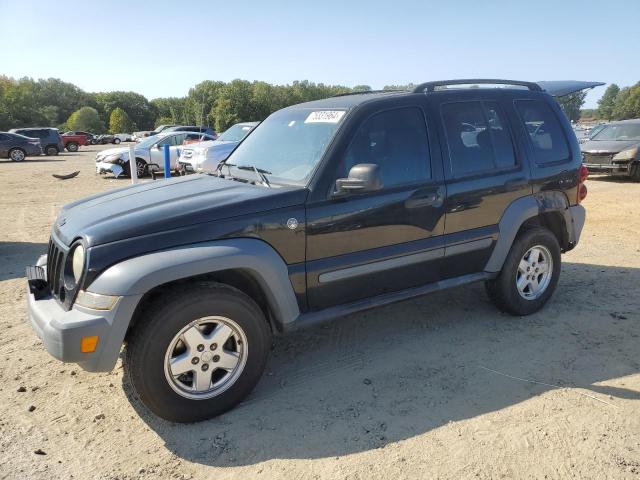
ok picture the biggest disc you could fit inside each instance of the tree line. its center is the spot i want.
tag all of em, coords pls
(619, 104)
(26, 102)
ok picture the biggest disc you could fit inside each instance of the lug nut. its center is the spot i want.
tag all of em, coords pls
(216, 358)
(195, 360)
(200, 347)
(205, 367)
(213, 346)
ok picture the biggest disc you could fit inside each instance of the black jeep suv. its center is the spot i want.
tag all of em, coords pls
(326, 208)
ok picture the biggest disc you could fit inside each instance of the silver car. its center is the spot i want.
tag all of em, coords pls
(615, 149)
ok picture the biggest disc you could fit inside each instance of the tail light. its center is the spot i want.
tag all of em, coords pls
(583, 173)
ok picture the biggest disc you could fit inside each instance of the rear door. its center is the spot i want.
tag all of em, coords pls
(363, 245)
(485, 171)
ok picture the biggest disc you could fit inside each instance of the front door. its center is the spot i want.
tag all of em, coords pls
(361, 245)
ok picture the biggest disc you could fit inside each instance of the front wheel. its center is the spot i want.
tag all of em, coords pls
(72, 147)
(197, 352)
(116, 141)
(17, 155)
(529, 275)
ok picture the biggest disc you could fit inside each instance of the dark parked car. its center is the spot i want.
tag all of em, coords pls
(614, 149)
(327, 208)
(16, 147)
(191, 128)
(50, 138)
(159, 129)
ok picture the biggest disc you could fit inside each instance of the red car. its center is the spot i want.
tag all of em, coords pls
(73, 140)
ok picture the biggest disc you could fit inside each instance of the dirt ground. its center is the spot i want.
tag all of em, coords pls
(429, 388)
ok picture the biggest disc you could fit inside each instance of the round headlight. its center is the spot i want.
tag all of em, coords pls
(77, 264)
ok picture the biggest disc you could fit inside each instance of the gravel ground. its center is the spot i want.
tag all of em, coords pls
(439, 387)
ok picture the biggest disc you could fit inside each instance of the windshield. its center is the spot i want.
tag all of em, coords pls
(235, 133)
(288, 144)
(148, 142)
(621, 131)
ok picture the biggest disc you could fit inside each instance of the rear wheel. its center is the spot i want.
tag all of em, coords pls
(17, 155)
(51, 150)
(529, 275)
(116, 141)
(72, 147)
(197, 352)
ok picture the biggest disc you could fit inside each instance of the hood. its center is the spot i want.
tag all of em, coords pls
(607, 146)
(165, 205)
(113, 151)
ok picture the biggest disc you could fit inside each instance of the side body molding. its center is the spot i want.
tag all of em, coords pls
(138, 275)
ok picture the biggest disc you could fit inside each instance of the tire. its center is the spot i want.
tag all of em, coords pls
(72, 147)
(51, 150)
(635, 172)
(163, 334)
(534, 247)
(141, 166)
(116, 141)
(17, 154)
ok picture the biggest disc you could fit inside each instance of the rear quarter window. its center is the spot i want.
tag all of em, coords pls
(544, 130)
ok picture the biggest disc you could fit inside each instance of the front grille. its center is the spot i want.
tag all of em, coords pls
(55, 263)
(598, 158)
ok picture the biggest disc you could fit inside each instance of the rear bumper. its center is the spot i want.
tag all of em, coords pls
(61, 331)
(578, 216)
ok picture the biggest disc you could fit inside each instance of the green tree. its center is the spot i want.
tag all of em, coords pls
(571, 104)
(119, 122)
(85, 119)
(621, 105)
(607, 102)
(138, 108)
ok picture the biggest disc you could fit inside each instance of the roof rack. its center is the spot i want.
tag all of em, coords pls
(431, 86)
(364, 92)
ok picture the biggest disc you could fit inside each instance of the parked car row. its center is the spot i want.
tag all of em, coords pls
(190, 151)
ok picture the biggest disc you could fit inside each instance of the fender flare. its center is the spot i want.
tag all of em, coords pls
(134, 277)
(138, 275)
(521, 210)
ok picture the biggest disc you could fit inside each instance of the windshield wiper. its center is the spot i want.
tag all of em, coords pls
(260, 173)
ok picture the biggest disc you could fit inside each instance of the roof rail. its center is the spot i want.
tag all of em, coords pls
(364, 92)
(431, 86)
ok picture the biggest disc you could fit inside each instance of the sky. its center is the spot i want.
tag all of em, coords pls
(161, 48)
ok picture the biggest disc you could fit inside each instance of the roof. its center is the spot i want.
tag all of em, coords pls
(630, 120)
(348, 101)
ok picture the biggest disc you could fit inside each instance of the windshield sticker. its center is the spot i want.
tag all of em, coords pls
(325, 116)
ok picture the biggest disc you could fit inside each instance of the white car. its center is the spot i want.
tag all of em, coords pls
(149, 153)
(205, 156)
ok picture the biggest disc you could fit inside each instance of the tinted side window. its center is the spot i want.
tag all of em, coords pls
(396, 141)
(545, 132)
(478, 137)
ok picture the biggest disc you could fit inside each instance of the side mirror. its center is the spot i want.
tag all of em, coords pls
(364, 177)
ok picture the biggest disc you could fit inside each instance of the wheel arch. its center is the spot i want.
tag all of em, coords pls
(547, 209)
(250, 265)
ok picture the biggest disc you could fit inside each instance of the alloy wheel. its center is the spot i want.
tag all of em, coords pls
(206, 357)
(534, 273)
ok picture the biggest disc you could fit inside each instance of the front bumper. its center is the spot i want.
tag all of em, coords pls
(610, 168)
(61, 331)
(104, 167)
